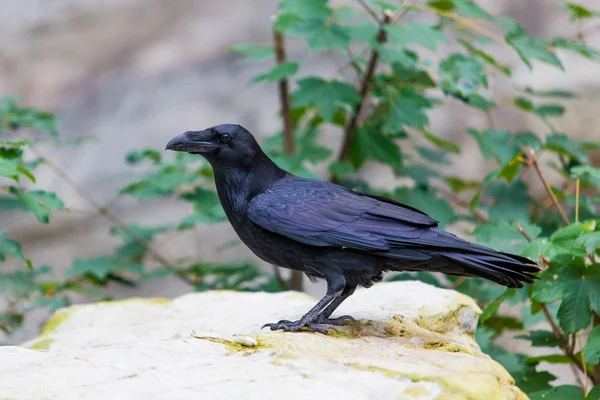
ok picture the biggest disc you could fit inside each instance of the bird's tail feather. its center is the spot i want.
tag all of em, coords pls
(502, 268)
(458, 257)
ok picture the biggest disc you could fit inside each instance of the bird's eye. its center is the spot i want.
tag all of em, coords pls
(226, 137)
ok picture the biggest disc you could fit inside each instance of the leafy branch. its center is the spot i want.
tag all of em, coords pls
(289, 146)
(365, 84)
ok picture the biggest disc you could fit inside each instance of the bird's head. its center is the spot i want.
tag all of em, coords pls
(226, 145)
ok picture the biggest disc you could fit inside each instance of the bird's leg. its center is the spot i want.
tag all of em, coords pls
(335, 288)
(323, 318)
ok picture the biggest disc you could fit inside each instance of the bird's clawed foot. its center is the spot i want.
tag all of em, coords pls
(285, 325)
(294, 326)
(320, 324)
(334, 321)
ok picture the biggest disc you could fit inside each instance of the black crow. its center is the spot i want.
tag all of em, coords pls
(329, 232)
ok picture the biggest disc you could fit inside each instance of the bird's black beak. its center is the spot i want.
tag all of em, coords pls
(194, 142)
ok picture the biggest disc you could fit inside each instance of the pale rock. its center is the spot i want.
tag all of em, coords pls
(411, 341)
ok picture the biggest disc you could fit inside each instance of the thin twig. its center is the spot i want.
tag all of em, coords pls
(458, 282)
(284, 97)
(289, 147)
(585, 373)
(352, 124)
(533, 161)
(368, 9)
(522, 231)
(560, 338)
(107, 213)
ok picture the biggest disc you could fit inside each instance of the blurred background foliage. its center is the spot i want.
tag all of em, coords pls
(380, 113)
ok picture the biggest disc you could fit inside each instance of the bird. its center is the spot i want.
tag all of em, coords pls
(329, 232)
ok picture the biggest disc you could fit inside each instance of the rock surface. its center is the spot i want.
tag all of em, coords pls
(411, 341)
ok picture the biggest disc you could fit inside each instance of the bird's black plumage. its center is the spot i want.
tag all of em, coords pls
(327, 231)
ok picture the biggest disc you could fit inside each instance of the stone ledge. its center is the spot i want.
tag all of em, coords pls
(411, 341)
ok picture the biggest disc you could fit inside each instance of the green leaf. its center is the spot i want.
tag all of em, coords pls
(574, 311)
(577, 11)
(563, 392)
(550, 358)
(540, 338)
(591, 350)
(594, 394)
(308, 146)
(203, 199)
(101, 267)
(405, 107)
(366, 32)
(39, 202)
(339, 169)
(424, 277)
(469, 8)
(404, 75)
(493, 307)
(482, 55)
(415, 33)
(564, 94)
(504, 236)
(590, 242)
(11, 248)
(427, 201)
(441, 143)
(500, 323)
(378, 146)
(9, 143)
(279, 72)
(317, 9)
(503, 145)
(160, 183)
(458, 185)
(512, 202)
(577, 47)
(585, 170)
(565, 146)
(208, 216)
(11, 153)
(26, 172)
(573, 231)
(464, 78)
(549, 110)
(524, 104)
(529, 48)
(320, 33)
(9, 169)
(254, 51)
(578, 286)
(135, 157)
(327, 96)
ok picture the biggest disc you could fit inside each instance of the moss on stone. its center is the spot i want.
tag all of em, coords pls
(415, 391)
(471, 386)
(41, 344)
(55, 321)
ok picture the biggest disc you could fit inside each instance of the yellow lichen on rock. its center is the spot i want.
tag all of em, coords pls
(55, 321)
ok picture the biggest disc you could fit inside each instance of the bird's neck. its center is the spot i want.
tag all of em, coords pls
(237, 187)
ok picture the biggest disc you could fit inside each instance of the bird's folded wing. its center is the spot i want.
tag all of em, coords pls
(321, 214)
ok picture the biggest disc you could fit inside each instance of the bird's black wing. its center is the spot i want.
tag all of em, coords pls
(322, 214)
